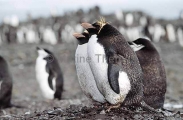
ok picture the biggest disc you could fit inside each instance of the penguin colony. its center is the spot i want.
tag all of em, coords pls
(132, 25)
(131, 73)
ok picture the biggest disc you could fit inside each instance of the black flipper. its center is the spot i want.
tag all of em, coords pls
(114, 66)
(113, 74)
(50, 77)
(59, 87)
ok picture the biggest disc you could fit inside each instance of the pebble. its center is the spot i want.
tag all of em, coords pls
(27, 113)
(103, 112)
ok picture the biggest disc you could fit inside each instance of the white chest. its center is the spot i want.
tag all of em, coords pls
(85, 75)
(98, 62)
(42, 78)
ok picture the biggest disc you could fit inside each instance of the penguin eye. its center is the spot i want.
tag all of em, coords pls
(49, 58)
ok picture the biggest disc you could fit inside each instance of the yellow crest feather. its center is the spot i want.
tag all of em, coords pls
(101, 23)
(85, 31)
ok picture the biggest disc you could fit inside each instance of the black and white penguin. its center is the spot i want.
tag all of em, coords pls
(49, 36)
(157, 32)
(49, 74)
(115, 66)
(180, 36)
(154, 76)
(129, 19)
(6, 84)
(84, 73)
(170, 33)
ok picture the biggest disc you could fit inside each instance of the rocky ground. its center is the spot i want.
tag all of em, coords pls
(26, 92)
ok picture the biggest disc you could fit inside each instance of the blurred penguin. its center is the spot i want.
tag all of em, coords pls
(119, 15)
(5, 84)
(49, 36)
(49, 74)
(31, 35)
(159, 32)
(170, 33)
(180, 36)
(129, 19)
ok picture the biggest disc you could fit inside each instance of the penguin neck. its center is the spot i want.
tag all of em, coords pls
(41, 57)
(82, 42)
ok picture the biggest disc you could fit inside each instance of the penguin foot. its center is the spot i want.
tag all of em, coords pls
(113, 107)
(97, 104)
(147, 107)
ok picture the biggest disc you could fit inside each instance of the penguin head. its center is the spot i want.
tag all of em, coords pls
(143, 41)
(45, 54)
(145, 44)
(96, 27)
(82, 38)
(91, 28)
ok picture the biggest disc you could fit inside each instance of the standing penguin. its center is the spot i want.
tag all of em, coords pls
(118, 73)
(180, 36)
(5, 84)
(85, 75)
(154, 76)
(49, 74)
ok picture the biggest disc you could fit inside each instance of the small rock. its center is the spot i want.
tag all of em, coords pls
(137, 117)
(103, 112)
(27, 113)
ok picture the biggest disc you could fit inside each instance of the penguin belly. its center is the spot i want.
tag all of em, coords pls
(42, 78)
(99, 68)
(85, 75)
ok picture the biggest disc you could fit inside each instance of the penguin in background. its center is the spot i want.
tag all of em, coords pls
(170, 33)
(49, 74)
(84, 73)
(119, 76)
(6, 84)
(154, 75)
(180, 36)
